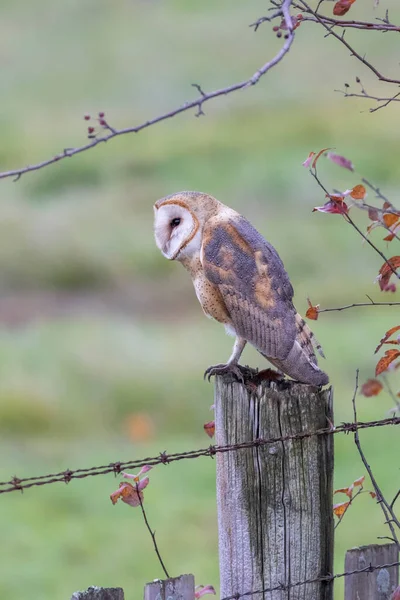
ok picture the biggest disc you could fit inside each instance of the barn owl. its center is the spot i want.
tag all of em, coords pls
(240, 281)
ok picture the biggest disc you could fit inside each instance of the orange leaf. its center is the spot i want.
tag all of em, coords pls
(386, 337)
(385, 273)
(359, 481)
(209, 428)
(312, 311)
(390, 219)
(372, 387)
(385, 361)
(358, 192)
(340, 509)
(320, 153)
(128, 493)
(348, 491)
(372, 494)
(342, 7)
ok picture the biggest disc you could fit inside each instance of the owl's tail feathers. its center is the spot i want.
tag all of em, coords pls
(300, 367)
(307, 339)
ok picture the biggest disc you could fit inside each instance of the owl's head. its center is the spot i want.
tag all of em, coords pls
(179, 221)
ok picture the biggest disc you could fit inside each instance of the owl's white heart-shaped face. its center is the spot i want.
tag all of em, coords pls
(175, 226)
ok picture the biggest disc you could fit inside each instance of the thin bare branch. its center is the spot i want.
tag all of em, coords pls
(152, 533)
(357, 305)
(387, 509)
(342, 40)
(196, 104)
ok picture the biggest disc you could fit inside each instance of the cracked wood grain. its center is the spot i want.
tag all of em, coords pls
(275, 514)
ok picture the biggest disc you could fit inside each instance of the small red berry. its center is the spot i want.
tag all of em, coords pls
(101, 115)
(90, 129)
(87, 117)
(299, 17)
(102, 122)
(275, 28)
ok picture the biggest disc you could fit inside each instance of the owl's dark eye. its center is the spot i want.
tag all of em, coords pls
(175, 222)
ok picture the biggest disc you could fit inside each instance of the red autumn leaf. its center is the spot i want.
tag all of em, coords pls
(320, 153)
(308, 160)
(209, 428)
(359, 481)
(341, 161)
(334, 206)
(358, 192)
(340, 509)
(385, 362)
(396, 594)
(202, 590)
(390, 219)
(373, 214)
(312, 311)
(387, 335)
(342, 7)
(372, 387)
(385, 273)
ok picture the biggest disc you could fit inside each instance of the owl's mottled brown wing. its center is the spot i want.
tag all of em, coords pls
(253, 282)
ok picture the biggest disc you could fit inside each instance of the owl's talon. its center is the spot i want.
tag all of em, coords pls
(222, 369)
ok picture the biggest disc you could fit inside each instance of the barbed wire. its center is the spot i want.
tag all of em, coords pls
(322, 579)
(17, 483)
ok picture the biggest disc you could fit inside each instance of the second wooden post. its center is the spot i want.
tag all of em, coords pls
(275, 515)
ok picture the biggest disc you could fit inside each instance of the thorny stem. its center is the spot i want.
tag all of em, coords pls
(152, 533)
(386, 508)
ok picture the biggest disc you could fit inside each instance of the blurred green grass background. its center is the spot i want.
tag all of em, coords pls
(102, 342)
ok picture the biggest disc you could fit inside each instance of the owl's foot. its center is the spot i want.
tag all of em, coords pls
(232, 369)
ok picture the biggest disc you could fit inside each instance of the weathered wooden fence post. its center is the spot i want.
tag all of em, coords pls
(378, 584)
(175, 588)
(98, 593)
(275, 514)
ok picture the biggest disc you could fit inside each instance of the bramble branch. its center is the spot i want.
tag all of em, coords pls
(197, 104)
(387, 509)
(152, 533)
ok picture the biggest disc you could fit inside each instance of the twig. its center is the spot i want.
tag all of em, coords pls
(313, 172)
(348, 506)
(386, 101)
(358, 304)
(343, 41)
(152, 533)
(386, 508)
(351, 222)
(198, 103)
